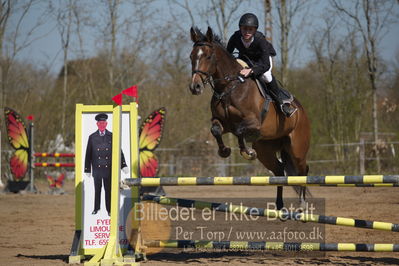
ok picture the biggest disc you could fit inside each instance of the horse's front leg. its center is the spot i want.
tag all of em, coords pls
(247, 130)
(217, 131)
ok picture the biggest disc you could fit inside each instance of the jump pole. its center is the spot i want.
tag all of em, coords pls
(264, 180)
(45, 154)
(54, 165)
(362, 185)
(54, 155)
(295, 216)
(274, 246)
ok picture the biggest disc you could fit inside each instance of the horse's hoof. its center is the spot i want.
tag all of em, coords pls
(248, 154)
(225, 152)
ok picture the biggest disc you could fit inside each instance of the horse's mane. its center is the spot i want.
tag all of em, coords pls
(216, 39)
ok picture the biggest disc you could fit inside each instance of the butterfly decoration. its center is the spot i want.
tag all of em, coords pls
(56, 182)
(18, 139)
(150, 136)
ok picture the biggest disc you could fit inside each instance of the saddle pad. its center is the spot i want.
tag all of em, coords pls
(242, 63)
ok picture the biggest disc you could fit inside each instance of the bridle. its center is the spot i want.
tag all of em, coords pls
(219, 96)
(210, 80)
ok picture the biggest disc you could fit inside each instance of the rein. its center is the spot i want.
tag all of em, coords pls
(219, 96)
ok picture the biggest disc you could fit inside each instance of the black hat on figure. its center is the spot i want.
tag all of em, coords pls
(101, 117)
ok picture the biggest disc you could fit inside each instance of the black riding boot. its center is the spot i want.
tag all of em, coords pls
(283, 98)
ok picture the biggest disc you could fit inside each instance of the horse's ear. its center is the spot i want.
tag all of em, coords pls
(194, 35)
(209, 34)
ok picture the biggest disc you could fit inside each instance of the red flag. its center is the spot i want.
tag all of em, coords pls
(118, 99)
(132, 91)
(30, 117)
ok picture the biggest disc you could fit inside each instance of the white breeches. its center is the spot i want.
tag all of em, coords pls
(268, 74)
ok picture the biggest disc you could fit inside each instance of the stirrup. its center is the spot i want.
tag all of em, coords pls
(290, 106)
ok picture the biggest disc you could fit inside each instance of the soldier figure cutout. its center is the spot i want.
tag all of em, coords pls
(98, 162)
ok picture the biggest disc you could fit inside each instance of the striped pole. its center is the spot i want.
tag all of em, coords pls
(54, 165)
(275, 246)
(362, 185)
(262, 180)
(283, 215)
(45, 154)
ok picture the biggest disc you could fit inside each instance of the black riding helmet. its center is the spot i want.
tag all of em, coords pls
(249, 20)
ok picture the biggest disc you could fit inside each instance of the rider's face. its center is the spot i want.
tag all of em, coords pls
(247, 32)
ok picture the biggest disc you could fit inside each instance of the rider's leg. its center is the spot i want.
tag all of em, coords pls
(283, 99)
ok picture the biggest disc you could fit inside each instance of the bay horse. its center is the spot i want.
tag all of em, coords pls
(236, 107)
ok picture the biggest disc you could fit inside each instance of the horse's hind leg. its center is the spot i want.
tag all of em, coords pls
(290, 170)
(267, 156)
(294, 154)
(217, 131)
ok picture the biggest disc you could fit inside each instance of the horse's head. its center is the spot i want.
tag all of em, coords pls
(203, 61)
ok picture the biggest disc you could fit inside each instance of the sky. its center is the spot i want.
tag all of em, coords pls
(47, 49)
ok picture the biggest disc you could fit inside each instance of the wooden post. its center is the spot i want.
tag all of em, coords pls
(362, 156)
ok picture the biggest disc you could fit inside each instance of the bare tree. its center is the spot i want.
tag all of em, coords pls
(338, 66)
(82, 19)
(267, 6)
(176, 17)
(5, 11)
(124, 35)
(223, 12)
(13, 15)
(64, 18)
(218, 12)
(371, 18)
(288, 11)
(113, 6)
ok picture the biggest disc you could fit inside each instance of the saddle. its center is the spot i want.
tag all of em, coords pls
(261, 91)
(279, 97)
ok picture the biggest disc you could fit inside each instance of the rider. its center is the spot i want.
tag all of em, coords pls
(257, 52)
